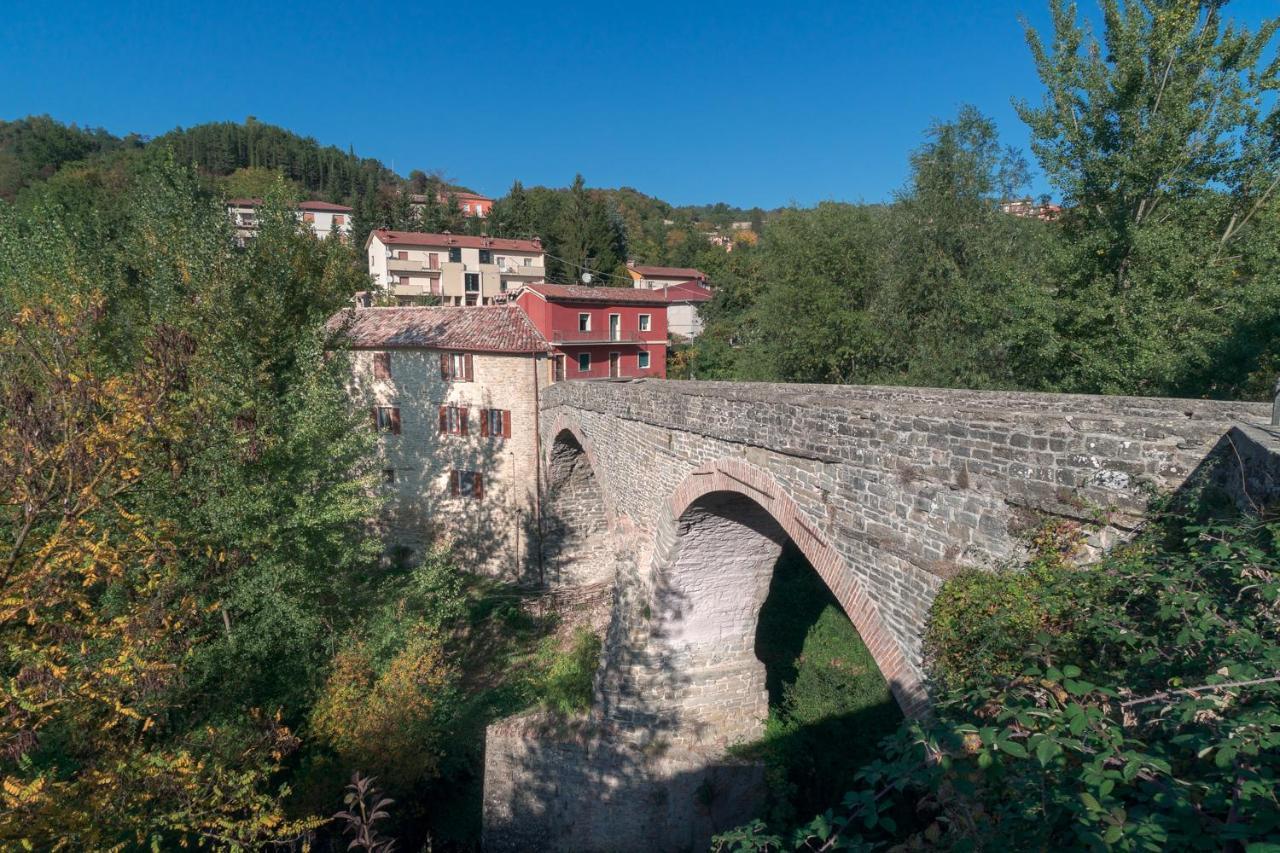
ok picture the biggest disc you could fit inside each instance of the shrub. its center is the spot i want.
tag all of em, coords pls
(566, 684)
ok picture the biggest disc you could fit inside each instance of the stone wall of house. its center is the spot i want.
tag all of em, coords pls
(493, 534)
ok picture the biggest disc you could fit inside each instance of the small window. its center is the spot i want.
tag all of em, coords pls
(387, 419)
(339, 219)
(308, 217)
(584, 362)
(495, 423)
(402, 255)
(584, 322)
(466, 484)
(486, 256)
(455, 366)
(455, 255)
(472, 282)
(645, 320)
(643, 360)
(502, 262)
(388, 475)
(453, 420)
(382, 365)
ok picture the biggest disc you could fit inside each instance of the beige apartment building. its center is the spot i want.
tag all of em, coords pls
(453, 394)
(325, 219)
(456, 269)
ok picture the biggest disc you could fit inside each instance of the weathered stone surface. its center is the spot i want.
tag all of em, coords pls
(887, 491)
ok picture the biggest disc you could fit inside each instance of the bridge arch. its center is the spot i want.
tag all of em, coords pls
(719, 538)
(576, 511)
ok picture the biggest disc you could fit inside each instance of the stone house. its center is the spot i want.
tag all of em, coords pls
(453, 393)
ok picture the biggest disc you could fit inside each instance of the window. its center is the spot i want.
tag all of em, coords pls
(308, 217)
(615, 327)
(471, 282)
(643, 360)
(402, 255)
(466, 484)
(645, 322)
(455, 255)
(502, 263)
(433, 260)
(453, 420)
(455, 366)
(486, 256)
(339, 219)
(584, 362)
(557, 368)
(495, 423)
(584, 322)
(387, 419)
(382, 365)
(388, 475)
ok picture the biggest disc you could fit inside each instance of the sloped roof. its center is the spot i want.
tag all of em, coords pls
(485, 328)
(419, 238)
(324, 205)
(614, 295)
(687, 291)
(682, 273)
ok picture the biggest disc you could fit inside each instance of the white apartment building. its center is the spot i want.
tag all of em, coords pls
(456, 268)
(322, 217)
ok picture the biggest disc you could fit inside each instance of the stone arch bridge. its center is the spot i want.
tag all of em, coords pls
(683, 494)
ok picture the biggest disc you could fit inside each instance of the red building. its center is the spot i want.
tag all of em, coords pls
(600, 332)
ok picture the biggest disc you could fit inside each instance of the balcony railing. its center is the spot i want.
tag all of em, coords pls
(618, 336)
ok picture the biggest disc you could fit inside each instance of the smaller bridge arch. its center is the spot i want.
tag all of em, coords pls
(718, 541)
(576, 512)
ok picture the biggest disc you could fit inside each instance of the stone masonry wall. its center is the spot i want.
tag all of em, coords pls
(575, 533)
(490, 534)
(908, 484)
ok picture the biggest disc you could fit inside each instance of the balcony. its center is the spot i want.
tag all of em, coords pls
(623, 336)
(523, 270)
(406, 265)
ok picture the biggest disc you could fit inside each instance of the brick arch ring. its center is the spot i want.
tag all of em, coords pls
(567, 423)
(734, 475)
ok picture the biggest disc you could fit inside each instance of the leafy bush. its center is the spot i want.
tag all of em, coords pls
(566, 684)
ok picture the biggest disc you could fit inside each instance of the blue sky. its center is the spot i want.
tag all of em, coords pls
(750, 102)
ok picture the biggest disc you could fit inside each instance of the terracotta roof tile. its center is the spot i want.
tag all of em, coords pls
(683, 273)
(488, 328)
(418, 238)
(324, 205)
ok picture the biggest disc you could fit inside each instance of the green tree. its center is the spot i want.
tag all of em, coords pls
(1162, 139)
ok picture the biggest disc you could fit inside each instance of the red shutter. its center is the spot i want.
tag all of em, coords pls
(382, 365)
(477, 485)
(444, 365)
(444, 419)
(506, 423)
(484, 423)
(453, 483)
(403, 255)
(467, 359)
(395, 420)
(462, 421)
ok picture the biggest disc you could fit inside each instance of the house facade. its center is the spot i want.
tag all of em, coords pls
(453, 395)
(323, 218)
(655, 278)
(599, 332)
(684, 301)
(472, 205)
(454, 269)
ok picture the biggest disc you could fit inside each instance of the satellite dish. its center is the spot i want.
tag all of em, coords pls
(586, 278)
